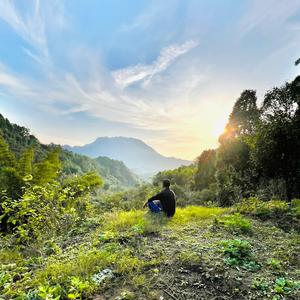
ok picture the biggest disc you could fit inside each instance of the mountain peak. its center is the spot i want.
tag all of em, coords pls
(135, 153)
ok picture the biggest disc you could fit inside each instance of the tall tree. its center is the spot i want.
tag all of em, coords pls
(25, 162)
(48, 169)
(243, 118)
(7, 159)
(206, 169)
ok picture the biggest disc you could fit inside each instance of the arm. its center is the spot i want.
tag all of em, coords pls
(156, 197)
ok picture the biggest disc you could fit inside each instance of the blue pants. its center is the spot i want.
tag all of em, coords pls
(154, 207)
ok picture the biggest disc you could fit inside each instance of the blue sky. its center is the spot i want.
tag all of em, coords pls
(167, 72)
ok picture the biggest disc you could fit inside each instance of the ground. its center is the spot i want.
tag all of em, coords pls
(201, 253)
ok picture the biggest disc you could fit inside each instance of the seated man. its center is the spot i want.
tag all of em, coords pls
(163, 201)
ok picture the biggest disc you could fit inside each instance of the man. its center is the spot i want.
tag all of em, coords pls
(163, 201)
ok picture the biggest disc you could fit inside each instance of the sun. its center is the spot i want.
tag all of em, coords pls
(218, 127)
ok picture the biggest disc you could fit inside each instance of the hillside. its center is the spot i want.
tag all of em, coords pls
(137, 155)
(115, 173)
(202, 253)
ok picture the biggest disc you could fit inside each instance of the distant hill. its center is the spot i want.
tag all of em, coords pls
(138, 156)
(115, 173)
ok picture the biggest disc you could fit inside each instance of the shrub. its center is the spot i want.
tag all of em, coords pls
(254, 206)
(295, 204)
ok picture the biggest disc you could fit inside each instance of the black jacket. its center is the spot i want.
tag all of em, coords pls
(167, 199)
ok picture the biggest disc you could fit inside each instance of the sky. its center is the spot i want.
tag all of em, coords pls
(167, 72)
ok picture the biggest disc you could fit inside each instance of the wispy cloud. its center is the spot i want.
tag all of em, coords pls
(127, 76)
(267, 14)
(31, 27)
(178, 96)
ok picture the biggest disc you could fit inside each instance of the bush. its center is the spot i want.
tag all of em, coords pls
(295, 204)
(263, 209)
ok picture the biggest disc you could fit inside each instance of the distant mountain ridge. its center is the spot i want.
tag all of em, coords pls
(115, 173)
(137, 155)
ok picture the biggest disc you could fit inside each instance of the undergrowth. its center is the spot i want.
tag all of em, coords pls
(134, 254)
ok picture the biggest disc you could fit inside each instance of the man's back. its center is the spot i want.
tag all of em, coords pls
(167, 201)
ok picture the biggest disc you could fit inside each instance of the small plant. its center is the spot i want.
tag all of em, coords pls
(274, 263)
(235, 223)
(189, 258)
(77, 288)
(238, 253)
(285, 286)
(126, 295)
(260, 284)
(50, 292)
(295, 204)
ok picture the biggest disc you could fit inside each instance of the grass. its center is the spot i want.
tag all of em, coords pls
(145, 254)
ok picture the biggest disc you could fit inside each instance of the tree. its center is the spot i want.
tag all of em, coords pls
(280, 104)
(243, 118)
(48, 169)
(25, 162)
(7, 159)
(206, 169)
(276, 151)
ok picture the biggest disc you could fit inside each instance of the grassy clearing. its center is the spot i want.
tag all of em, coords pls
(138, 255)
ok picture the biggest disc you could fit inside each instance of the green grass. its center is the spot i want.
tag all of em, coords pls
(145, 251)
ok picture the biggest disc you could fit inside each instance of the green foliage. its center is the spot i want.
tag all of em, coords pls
(7, 158)
(25, 148)
(279, 212)
(182, 176)
(189, 258)
(126, 200)
(285, 286)
(295, 204)
(47, 170)
(206, 169)
(274, 263)
(235, 223)
(238, 253)
(25, 163)
(263, 209)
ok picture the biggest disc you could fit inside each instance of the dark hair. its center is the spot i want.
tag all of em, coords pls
(166, 183)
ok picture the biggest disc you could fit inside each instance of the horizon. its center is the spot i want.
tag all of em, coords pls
(164, 73)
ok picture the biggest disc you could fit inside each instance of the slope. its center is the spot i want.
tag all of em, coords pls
(116, 175)
(202, 253)
(137, 155)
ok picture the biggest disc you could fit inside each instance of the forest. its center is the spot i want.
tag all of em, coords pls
(73, 227)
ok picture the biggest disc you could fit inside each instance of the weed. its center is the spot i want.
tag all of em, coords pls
(260, 284)
(235, 223)
(189, 258)
(195, 213)
(274, 263)
(50, 292)
(126, 295)
(295, 204)
(262, 209)
(78, 288)
(285, 286)
(238, 253)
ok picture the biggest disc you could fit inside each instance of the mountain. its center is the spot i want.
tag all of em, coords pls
(115, 173)
(138, 156)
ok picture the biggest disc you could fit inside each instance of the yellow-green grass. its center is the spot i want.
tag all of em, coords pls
(136, 222)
